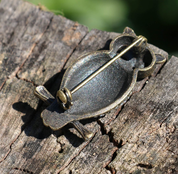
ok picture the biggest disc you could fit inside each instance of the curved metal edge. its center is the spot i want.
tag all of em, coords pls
(117, 102)
(143, 72)
(147, 71)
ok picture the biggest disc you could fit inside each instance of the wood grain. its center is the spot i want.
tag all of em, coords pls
(35, 49)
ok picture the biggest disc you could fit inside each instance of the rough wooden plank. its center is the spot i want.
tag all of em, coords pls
(30, 147)
(53, 50)
(21, 27)
(147, 127)
(94, 158)
(63, 35)
(15, 94)
(15, 49)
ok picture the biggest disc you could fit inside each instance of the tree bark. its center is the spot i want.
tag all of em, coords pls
(35, 49)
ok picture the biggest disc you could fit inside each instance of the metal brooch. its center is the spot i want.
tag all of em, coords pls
(98, 82)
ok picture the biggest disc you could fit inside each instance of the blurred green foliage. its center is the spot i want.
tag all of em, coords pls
(155, 19)
(99, 14)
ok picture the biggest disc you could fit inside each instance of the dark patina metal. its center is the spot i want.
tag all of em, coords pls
(89, 90)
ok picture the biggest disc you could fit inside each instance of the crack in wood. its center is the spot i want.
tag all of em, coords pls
(146, 166)
(122, 107)
(74, 27)
(111, 169)
(26, 80)
(18, 69)
(160, 69)
(33, 47)
(72, 158)
(120, 144)
(170, 150)
(74, 49)
(11, 35)
(3, 83)
(114, 142)
(143, 85)
(23, 170)
(110, 134)
(22, 129)
(10, 148)
(168, 115)
(166, 118)
(29, 81)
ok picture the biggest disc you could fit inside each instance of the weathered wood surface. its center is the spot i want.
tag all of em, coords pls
(35, 48)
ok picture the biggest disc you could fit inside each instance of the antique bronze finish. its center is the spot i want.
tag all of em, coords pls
(48, 98)
(98, 82)
(66, 97)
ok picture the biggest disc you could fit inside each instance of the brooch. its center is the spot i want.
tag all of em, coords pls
(98, 82)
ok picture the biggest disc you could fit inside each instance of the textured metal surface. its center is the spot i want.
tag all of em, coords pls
(109, 88)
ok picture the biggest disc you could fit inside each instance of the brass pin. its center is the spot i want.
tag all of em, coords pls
(140, 39)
